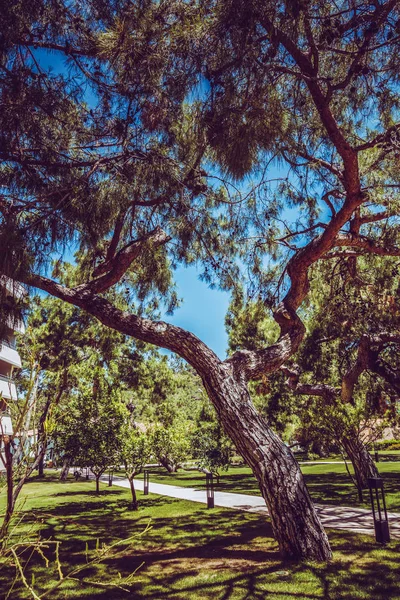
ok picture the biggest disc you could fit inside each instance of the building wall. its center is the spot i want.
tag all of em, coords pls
(10, 360)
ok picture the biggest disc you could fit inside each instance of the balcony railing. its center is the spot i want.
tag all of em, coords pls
(6, 379)
(16, 288)
(9, 344)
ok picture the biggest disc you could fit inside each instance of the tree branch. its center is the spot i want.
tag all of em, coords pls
(384, 370)
(374, 217)
(117, 266)
(293, 373)
(366, 244)
(66, 49)
(368, 358)
(353, 373)
(321, 162)
(321, 102)
(382, 138)
(113, 244)
(377, 18)
(253, 364)
(325, 198)
(159, 333)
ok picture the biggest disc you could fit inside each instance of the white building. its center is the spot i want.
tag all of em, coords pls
(10, 361)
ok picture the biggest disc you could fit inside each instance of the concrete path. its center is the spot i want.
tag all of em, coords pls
(358, 520)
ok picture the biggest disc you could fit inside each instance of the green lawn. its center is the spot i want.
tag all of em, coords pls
(330, 484)
(188, 553)
(385, 455)
(327, 483)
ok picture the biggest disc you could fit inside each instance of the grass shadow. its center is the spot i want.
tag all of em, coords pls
(190, 552)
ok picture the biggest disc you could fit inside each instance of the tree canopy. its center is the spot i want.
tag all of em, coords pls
(151, 104)
(136, 147)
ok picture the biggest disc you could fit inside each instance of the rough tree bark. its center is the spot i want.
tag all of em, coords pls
(295, 522)
(362, 462)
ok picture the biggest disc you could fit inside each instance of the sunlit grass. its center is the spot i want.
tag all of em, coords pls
(328, 483)
(189, 552)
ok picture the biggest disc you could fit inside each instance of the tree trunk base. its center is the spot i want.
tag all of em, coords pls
(295, 522)
(65, 470)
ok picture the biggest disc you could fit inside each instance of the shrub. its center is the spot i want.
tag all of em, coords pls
(386, 445)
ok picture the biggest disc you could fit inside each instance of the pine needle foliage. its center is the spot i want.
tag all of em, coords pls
(197, 117)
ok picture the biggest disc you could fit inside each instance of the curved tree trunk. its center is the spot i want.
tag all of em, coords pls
(362, 462)
(295, 522)
(168, 464)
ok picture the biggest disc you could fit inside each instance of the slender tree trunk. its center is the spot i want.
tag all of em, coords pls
(31, 409)
(294, 519)
(42, 437)
(98, 483)
(13, 491)
(10, 490)
(41, 467)
(133, 492)
(362, 462)
(65, 469)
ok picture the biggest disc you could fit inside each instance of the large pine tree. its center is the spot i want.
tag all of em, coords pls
(119, 150)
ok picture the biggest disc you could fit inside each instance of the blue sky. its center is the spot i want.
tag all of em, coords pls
(202, 311)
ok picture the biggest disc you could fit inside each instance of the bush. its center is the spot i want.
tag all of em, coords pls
(386, 445)
(394, 446)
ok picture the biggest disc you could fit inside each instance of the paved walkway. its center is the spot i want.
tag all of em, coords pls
(358, 520)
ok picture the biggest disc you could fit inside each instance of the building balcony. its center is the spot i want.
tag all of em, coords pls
(7, 388)
(14, 287)
(6, 427)
(16, 326)
(9, 354)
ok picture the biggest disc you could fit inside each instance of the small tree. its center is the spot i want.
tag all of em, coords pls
(88, 430)
(210, 446)
(20, 455)
(134, 453)
(165, 395)
(171, 444)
